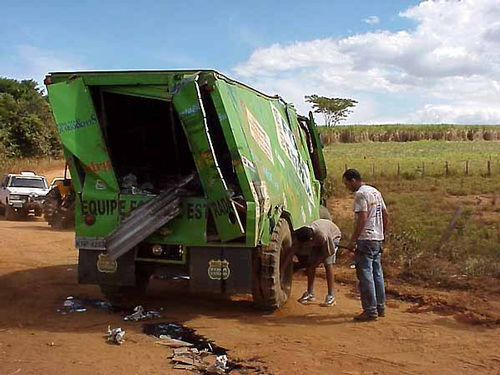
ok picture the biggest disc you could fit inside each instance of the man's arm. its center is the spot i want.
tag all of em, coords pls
(360, 225)
(385, 220)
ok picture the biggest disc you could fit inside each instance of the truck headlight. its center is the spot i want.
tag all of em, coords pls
(14, 197)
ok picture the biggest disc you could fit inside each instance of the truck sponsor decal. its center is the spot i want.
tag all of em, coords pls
(196, 211)
(67, 126)
(221, 207)
(218, 269)
(105, 207)
(286, 139)
(105, 264)
(260, 135)
(104, 166)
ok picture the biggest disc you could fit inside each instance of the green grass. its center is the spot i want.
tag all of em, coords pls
(421, 206)
(383, 158)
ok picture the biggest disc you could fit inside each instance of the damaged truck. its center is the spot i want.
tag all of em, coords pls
(186, 173)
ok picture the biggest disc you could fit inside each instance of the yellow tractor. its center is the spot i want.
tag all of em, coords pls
(59, 204)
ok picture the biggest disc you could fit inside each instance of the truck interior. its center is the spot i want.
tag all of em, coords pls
(146, 142)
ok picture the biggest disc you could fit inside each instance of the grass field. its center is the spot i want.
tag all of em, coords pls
(29, 164)
(422, 205)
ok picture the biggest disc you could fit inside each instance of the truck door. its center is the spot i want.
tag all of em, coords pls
(188, 104)
(79, 128)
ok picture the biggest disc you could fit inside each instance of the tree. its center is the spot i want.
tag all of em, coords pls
(26, 125)
(334, 110)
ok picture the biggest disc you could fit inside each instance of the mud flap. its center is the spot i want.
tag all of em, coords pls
(220, 269)
(94, 267)
(188, 104)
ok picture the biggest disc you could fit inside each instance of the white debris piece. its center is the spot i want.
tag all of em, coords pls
(116, 335)
(139, 314)
(219, 366)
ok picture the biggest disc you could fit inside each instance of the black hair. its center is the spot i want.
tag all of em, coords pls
(352, 174)
(304, 234)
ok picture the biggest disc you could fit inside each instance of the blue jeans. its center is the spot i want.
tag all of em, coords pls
(370, 275)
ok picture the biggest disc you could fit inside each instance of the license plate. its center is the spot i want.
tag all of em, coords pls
(90, 243)
(17, 204)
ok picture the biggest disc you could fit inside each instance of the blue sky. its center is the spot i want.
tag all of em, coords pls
(402, 60)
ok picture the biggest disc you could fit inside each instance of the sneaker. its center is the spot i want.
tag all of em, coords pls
(306, 297)
(381, 312)
(365, 317)
(330, 300)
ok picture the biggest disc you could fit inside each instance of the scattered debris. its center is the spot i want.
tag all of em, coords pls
(182, 333)
(97, 303)
(173, 343)
(116, 335)
(219, 366)
(71, 305)
(139, 314)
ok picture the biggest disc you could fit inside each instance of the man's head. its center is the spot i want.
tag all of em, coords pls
(304, 234)
(352, 179)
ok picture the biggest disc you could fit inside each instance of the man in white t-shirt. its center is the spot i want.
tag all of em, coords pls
(371, 220)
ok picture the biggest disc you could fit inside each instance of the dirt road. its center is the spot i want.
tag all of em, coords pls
(38, 271)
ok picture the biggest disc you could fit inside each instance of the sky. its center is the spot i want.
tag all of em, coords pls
(404, 61)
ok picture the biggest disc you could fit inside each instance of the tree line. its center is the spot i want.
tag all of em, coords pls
(27, 128)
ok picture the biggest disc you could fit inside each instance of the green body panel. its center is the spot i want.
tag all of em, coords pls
(187, 102)
(276, 164)
(269, 151)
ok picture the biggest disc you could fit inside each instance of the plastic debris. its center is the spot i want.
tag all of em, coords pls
(139, 314)
(173, 343)
(185, 334)
(71, 305)
(116, 335)
(219, 366)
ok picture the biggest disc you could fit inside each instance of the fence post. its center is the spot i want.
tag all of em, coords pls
(447, 168)
(373, 170)
(489, 169)
(345, 165)
(423, 169)
(399, 170)
(466, 167)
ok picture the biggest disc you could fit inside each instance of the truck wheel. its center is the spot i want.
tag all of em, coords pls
(127, 296)
(51, 207)
(272, 269)
(10, 213)
(324, 213)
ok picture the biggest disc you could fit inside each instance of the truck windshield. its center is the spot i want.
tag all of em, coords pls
(37, 183)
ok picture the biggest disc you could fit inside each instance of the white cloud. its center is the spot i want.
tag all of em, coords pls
(30, 62)
(447, 69)
(372, 20)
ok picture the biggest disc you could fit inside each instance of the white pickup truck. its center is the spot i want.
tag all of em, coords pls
(22, 194)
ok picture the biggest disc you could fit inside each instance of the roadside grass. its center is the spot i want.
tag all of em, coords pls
(421, 206)
(36, 165)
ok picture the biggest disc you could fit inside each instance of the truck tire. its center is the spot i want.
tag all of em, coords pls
(59, 213)
(10, 214)
(272, 269)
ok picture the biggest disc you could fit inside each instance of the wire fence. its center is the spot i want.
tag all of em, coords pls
(432, 168)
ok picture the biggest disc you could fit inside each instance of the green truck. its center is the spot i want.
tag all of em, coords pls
(186, 172)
